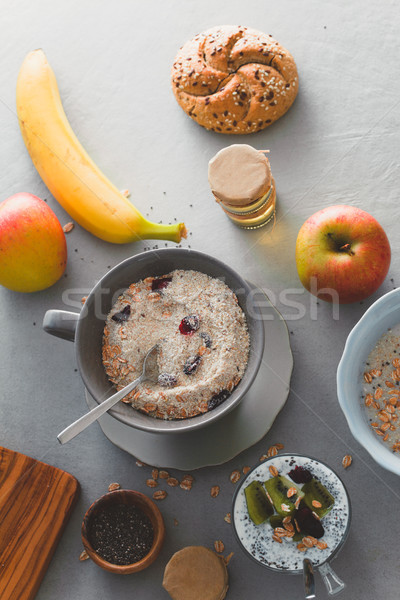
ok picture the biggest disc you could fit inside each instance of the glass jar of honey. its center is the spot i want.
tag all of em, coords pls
(241, 182)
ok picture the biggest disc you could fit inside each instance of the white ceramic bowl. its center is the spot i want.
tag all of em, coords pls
(382, 315)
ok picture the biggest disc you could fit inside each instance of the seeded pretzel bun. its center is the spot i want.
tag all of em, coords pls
(234, 80)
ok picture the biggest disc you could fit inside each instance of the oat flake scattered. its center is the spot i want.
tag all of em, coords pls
(160, 495)
(172, 481)
(214, 491)
(83, 555)
(186, 484)
(272, 451)
(68, 227)
(347, 460)
(235, 476)
(151, 483)
(114, 486)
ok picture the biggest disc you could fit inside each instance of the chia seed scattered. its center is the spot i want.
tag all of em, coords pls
(121, 534)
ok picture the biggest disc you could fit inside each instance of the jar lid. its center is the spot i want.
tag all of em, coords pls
(239, 174)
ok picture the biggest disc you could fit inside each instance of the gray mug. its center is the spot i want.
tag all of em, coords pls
(86, 330)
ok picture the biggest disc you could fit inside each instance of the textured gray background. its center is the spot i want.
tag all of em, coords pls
(338, 144)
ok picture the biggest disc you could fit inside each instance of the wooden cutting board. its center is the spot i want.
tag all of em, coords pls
(36, 501)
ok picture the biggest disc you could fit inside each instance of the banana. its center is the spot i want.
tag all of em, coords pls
(66, 168)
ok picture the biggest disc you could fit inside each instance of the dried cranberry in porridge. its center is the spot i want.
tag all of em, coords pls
(203, 338)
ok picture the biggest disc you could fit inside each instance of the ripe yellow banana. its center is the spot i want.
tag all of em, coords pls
(66, 168)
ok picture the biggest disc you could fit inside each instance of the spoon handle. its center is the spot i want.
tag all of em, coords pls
(309, 582)
(72, 430)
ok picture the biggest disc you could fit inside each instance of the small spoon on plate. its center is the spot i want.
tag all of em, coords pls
(309, 582)
(150, 371)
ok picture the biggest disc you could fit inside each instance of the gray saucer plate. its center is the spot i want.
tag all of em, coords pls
(224, 439)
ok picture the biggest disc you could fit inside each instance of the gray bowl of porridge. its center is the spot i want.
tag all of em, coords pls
(201, 313)
(368, 381)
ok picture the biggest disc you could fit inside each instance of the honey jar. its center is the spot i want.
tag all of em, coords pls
(241, 182)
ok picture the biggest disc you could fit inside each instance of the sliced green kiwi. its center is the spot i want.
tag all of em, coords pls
(276, 521)
(258, 505)
(315, 492)
(277, 489)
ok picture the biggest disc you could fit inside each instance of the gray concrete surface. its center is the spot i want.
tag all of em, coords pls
(338, 144)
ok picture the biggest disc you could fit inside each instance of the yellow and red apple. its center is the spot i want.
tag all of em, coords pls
(33, 250)
(342, 253)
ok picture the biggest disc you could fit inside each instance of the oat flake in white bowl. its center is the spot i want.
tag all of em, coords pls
(381, 316)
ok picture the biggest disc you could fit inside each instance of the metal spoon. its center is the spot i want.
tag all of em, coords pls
(309, 583)
(150, 371)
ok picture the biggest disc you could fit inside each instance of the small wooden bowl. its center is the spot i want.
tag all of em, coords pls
(129, 498)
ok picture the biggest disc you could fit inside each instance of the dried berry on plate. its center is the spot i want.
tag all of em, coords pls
(308, 524)
(300, 475)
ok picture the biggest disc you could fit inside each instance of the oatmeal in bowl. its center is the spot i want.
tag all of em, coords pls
(368, 380)
(202, 337)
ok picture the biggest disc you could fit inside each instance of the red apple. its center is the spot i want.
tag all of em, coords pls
(342, 254)
(33, 250)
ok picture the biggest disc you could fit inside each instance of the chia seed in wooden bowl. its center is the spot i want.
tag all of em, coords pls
(123, 531)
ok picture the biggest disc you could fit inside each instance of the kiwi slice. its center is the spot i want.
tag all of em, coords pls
(277, 488)
(258, 505)
(276, 521)
(315, 492)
